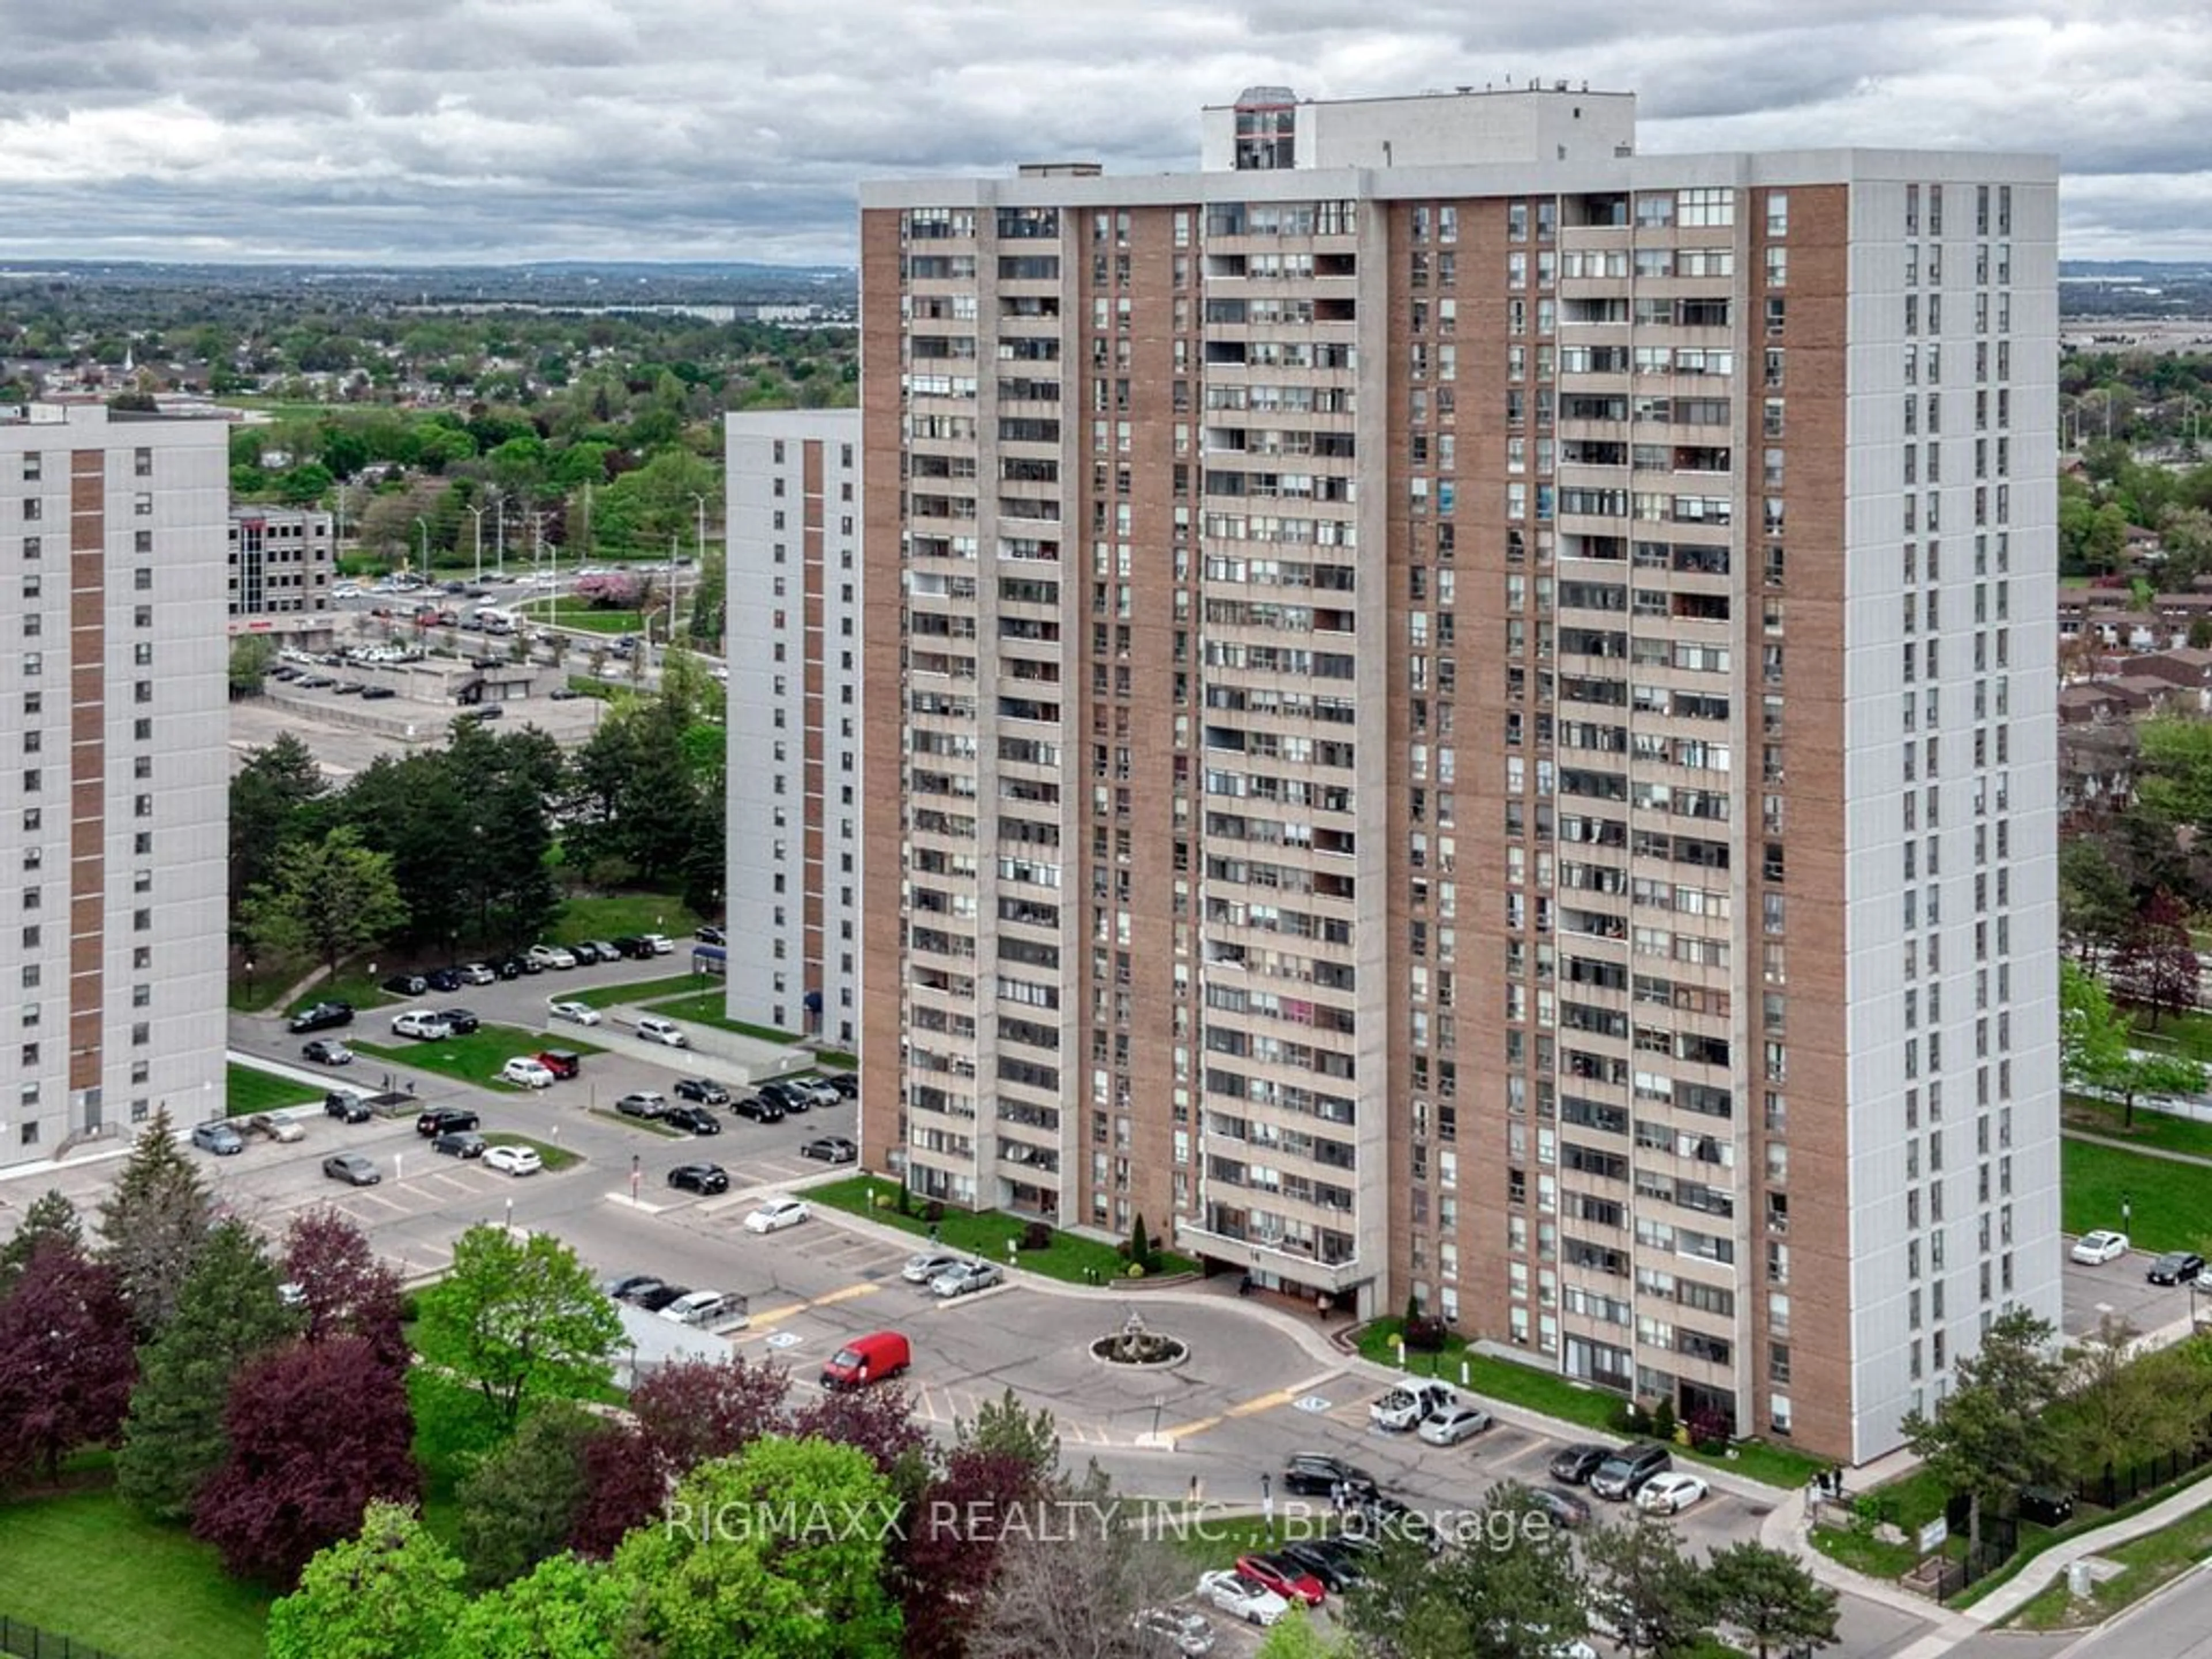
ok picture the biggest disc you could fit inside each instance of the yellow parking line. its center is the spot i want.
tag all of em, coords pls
(771, 1316)
(1247, 1408)
(1265, 1403)
(845, 1295)
(1184, 1430)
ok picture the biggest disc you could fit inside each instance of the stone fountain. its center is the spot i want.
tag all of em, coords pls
(1135, 1344)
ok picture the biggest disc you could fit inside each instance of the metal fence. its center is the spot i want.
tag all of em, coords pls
(29, 1642)
(2124, 1485)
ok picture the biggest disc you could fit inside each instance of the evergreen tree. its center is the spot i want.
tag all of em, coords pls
(153, 1224)
(228, 1312)
(50, 1216)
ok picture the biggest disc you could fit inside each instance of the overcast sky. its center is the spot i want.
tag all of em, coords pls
(423, 130)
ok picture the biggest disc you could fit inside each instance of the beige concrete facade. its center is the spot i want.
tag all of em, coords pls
(1403, 779)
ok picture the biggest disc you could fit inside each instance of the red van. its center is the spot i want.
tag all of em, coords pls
(866, 1359)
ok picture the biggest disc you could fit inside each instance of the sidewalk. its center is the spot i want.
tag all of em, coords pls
(2022, 1587)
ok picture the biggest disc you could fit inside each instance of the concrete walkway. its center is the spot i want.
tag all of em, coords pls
(2023, 1586)
(2137, 1147)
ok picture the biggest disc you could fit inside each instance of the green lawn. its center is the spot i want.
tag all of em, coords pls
(2147, 1562)
(611, 915)
(1558, 1396)
(2167, 1199)
(83, 1565)
(556, 1158)
(248, 1090)
(2189, 1034)
(2160, 1129)
(986, 1233)
(474, 1058)
(564, 611)
(1908, 1502)
(645, 992)
(587, 685)
(356, 987)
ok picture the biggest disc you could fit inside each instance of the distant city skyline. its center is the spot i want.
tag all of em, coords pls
(472, 131)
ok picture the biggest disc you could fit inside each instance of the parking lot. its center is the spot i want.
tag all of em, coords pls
(2118, 1289)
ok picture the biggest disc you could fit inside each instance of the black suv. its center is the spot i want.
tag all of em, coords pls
(459, 1021)
(696, 1119)
(705, 1090)
(347, 1107)
(782, 1094)
(705, 1178)
(446, 1120)
(1576, 1464)
(1314, 1474)
(760, 1108)
(1622, 1475)
(323, 1016)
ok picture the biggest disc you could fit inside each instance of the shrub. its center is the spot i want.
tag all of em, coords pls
(1426, 1334)
(934, 1212)
(1709, 1429)
(1136, 1270)
(1140, 1245)
(1036, 1236)
(1631, 1418)
(1662, 1419)
(905, 1199)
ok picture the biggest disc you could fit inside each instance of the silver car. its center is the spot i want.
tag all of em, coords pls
(966, 1277)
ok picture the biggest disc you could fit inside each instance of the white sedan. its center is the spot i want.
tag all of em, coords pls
(1670, 1493)
(582, 1013)
(1241, 1597)
(513, 1160)
(551, 956)
(2100, 1247)
(777, 1214)
(527, 1073)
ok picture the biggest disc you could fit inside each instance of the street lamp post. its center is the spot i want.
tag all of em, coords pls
(501, 533)
(422, 524)
(476, 514)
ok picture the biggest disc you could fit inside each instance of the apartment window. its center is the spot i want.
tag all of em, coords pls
(142, 579)
(142, 463)
(1777, 212)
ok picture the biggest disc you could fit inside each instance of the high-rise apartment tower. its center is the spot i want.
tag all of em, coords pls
(1458, 712)
(113, 533)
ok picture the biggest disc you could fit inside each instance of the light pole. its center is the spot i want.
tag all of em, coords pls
(423, 526)
(501, 534)
(476, 514)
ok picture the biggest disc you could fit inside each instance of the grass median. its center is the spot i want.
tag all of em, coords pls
(248, 1090)
(555, 1158)
(474, 1059)
(2162, 1130)
(2163, 1200)
(2145, 1563)
(987, 1233)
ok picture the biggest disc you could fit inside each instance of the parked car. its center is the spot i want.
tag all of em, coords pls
(653, 1028)
(346, 1108)
(459, 1143)
(658, 944)
(791, 1099)
(876, 1357)
(708, 1309)
(479, 973)
(1313, 1473)
(831, 1149)
(776, 1214)
(847, 1084)
(550, 956)
(1286, 1578)
(423, 1025)
(460, 1021)
(705, 1179)
(1670, 1492)
(377, 693)
(1335, 1561)
(326, 1051)
(1623, 1472)
(1560, 1506)
(1455, 1423)
(322, 1017)
(563, 1063)
(924, 1266)
(578, 1013)
(1241, 1597)
(1171, 1631)
(643, 1102)
(219, 1138)
(2176, 1267)
(705, 1090)
(585, 952)
(818, 1090)
(513, 1160)
(2101, 1246)
(760, 1108)
(632, 947)
(446, 1120)
(604, 949)
(406, 984)
(352, 1167)
(444, 981)
(623, 1286)
(658, 1295)
(966, 1277)
(275, 1128)
(1576, 1464)
(527, 1073)
(707, 934)
(695, 1120)
(520, 967)
(1406, 1405)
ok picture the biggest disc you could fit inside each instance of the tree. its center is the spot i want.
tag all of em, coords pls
(1645, 1589)
(326, 899)
(269, 796)
(2093, 898)
(2094, 1048)
(51, 1218)
(66, 1362)
(624, 1487)
(777, 1553)
(390, 1592)
(153, 1223)
(520, 1504)
(1140, 1246)
(251, 657)
(1769, 1595)
(1515, 1590)
(228, 1312)
(1005, 1426)
(566, 1609)
(317, 1430)
(1992, 1435)
(1296, 1636)
(694, 1410)
(344, 1290)
(949, 1545)
(2156, 965)
(1073, 1588)
(2121, 1404)
(877, 1421)
(518, 1319)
